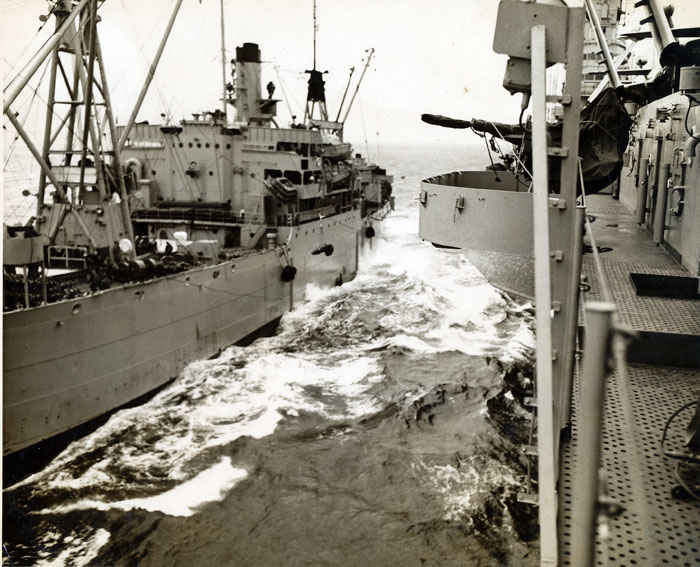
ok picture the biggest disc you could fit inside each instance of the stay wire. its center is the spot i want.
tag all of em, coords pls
(517, 158)
(76, 137)
(26, 47)
(27, 113)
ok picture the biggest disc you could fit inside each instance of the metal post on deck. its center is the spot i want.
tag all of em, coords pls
(44, 284)
(25, 278)
(661, 203)
(643, 189)
(546, 462)
(572, 319)
(596, 352)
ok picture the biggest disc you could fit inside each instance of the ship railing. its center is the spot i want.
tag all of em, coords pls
(193, 215)
(295, 219)
(67, 257)
(604, 352)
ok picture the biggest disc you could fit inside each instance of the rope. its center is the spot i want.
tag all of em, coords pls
(140, 50)
(284, 91)
(26, 47)
(517, 158)
(26, 113)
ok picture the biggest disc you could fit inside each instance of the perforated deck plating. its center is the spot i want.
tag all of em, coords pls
(661, 314)
(654, 528)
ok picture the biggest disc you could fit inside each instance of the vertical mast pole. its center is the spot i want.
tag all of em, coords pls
(47, 127)
(315, 29)
(223, 65)
(72, 112)
(543, 302)
(92, 26)
(116, 163)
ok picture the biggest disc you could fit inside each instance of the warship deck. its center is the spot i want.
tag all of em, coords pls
(654, 528)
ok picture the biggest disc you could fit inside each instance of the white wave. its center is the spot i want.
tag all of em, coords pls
(79, 553)
(463, 488)
(185, 499)
(211, 405)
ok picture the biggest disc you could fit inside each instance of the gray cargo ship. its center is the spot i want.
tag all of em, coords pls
(170, 241)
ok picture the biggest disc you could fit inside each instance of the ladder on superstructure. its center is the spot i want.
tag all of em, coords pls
(536, 35)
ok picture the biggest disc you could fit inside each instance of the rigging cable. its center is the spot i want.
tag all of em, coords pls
(26, 47)
(284, 91)
(27, 113)
(146, 60)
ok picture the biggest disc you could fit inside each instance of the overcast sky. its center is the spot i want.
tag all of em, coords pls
(431, 56)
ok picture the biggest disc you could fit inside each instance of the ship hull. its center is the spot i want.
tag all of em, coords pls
(69, 362)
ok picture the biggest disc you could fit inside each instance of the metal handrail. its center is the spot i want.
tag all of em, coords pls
(605, 339)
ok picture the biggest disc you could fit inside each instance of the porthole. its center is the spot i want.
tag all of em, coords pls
(228, 146)
(206, 145)
(233, 267)
(189, 145)
(76, 309)
(216, 274)
(199, 145)
(211, 173)
(182, 145)
(217, 146)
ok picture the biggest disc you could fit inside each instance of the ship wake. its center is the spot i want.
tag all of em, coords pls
(378, 426)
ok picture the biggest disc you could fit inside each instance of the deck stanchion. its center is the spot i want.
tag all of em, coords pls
(44, 284)
(25, 280)
(572, 315)
(595, 370)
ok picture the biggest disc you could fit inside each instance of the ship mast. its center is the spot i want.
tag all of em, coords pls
(315, 30)
(223, 65)
(316, 93)
(83, 173)
(74, 51)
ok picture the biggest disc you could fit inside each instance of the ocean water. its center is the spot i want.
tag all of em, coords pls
(379, 426)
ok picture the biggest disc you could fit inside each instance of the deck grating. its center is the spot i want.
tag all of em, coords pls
(644, 313)
(654, 528)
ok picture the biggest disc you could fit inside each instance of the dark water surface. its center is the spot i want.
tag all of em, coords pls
(379, 426)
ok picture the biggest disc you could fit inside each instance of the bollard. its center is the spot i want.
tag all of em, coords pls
(595, 370)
